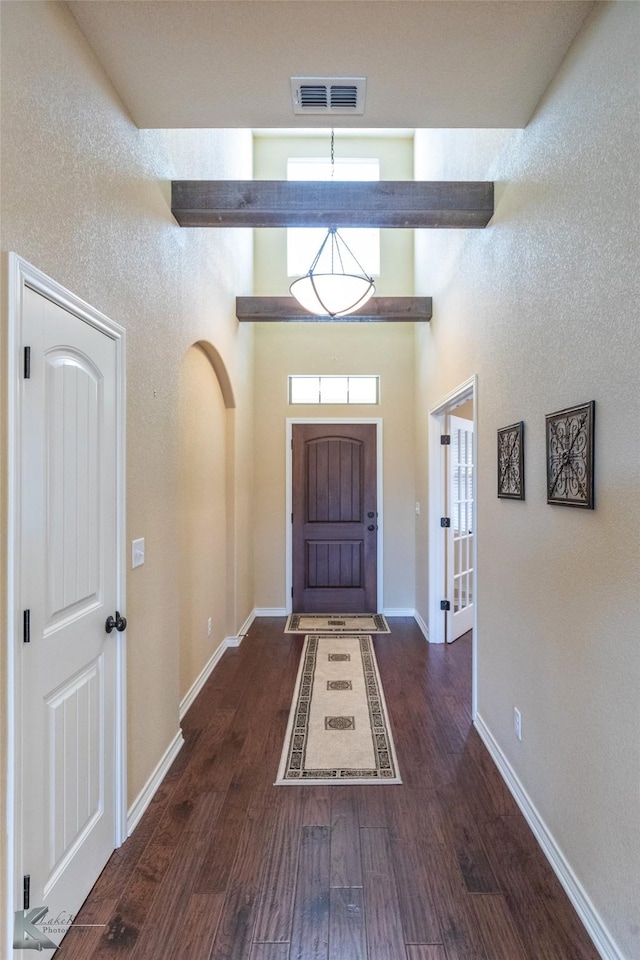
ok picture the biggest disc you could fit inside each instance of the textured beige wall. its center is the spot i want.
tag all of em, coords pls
(341, 348)
(85, 198)
(202, 515)
(396, 246)
(543, 307)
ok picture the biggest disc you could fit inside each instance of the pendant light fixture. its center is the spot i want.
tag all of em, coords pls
(335, 284)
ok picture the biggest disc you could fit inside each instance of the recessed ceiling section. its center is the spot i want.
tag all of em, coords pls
(229, 63)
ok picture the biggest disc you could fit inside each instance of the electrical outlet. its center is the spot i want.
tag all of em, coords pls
(209, 626)
(517, 723)
(417, 508)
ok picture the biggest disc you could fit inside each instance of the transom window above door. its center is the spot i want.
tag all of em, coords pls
(304, 242)
(333, 389)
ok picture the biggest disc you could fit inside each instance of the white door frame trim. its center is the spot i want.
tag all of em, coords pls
(19, 275)
(289, 498)
(466, 391)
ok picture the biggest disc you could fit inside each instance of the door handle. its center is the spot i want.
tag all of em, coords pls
(120, 623)
(371, 526)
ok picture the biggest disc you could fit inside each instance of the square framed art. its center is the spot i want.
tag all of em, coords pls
(570, 456)
(511, 461)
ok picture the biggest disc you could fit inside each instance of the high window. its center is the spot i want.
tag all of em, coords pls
(332, 389)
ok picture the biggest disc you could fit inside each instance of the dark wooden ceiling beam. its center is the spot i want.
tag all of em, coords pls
(284, 203)
(376, 310)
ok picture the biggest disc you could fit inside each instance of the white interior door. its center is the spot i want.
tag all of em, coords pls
(460, 572)
(68, 772)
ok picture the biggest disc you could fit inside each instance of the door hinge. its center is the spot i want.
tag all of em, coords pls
(26, 891)
(445, 439)
(445, 605)
(291, 591)
(445, 521)
(26, 626)
(27, 363)
(291, 518)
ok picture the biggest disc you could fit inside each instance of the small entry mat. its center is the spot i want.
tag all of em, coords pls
(336, 623)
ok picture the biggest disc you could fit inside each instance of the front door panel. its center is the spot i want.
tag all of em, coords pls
(334, 518)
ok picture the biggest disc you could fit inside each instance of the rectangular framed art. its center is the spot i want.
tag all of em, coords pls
(570, 459)
(511, 461)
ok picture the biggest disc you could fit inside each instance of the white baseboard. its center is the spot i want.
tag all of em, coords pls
(208, 668)
(593, 923)
(147, 793)
(408, 612)
(246, 626)
(423, 627)
(270, 612)
(201, 679)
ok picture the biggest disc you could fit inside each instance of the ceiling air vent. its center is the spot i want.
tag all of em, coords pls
(329, 95)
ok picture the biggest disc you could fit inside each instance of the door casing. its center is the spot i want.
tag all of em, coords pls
(437, 500)
(289, 497)
(18, 274)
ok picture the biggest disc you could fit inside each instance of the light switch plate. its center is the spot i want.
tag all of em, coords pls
(137, 552)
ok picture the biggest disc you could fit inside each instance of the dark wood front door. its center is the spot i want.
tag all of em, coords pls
(335, 518)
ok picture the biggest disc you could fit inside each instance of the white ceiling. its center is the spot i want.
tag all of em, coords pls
(428, 63)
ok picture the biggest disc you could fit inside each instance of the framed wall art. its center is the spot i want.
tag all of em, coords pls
(511, 461)
(570, 460)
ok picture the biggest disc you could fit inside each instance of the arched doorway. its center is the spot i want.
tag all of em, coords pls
(205, 535)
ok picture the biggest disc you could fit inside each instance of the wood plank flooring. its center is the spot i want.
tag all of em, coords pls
(225, 866)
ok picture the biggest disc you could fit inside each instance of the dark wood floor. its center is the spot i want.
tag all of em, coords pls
(225, 866)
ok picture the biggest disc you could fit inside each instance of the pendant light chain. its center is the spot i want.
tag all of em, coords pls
(333, 170)
(338, 292)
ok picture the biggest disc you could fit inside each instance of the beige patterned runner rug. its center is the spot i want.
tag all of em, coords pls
(338, 729)
(336, 623)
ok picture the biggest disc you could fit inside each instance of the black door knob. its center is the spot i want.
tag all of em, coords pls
(371, 526)
(371, 514)
(120, 623)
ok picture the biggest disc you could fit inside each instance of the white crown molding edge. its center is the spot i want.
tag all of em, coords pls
(592, 921)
